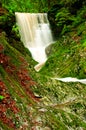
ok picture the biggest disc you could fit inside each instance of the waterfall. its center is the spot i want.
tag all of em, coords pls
(35, 34)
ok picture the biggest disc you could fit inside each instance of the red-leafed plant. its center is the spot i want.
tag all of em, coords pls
(7, 103)
(21, 73)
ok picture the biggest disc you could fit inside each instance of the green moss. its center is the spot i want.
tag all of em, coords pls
(1, 97)
(62, 105)
(66, 59)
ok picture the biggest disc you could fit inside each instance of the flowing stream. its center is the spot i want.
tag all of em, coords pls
(36, 35)
(70, 79)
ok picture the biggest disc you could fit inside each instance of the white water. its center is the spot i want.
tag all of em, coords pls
(35, 34)
(70, 79)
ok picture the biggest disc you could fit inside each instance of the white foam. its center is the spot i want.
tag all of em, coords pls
(35, 33)
(70, 79)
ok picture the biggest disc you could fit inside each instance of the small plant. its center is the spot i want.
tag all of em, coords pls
(1, 97)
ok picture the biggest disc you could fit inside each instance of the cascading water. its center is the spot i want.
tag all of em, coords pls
(70, 79)
(35, 34)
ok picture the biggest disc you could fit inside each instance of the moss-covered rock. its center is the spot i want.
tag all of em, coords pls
(67, 59)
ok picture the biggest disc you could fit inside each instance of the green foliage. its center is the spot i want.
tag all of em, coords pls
(62, 16)
(64, 20)
(67, 1)
(66, 15)
(1, 97)
(67, 21)
(67, 59)
(2, 19)
(26, 5)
